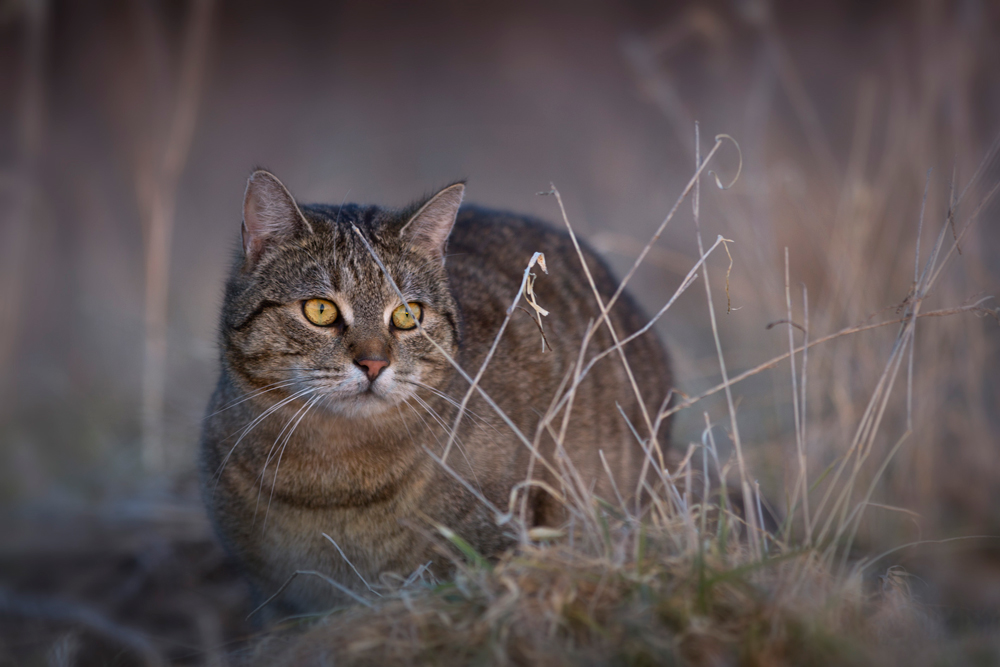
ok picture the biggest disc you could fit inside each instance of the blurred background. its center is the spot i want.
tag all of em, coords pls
(128, 129)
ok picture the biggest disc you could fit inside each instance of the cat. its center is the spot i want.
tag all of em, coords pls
(334, 392)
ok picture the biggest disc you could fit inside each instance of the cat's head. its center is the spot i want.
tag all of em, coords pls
(309, 311)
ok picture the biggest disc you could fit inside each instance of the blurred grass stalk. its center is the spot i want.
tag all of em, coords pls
(157, 175)
(22, 184)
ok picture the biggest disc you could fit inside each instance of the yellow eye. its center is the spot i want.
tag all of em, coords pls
(402, 320)
(320, 312)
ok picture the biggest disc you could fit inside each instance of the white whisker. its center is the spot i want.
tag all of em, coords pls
(257, 420)
(263, 390)
(451, 400)
(461, 447)
(270, 453)
(277, 466)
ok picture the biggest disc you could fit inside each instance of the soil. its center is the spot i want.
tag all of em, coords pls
(134, 584)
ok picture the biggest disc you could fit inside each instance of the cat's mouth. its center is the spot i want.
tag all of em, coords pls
(367, 390)
(370, 392)
(359, 396)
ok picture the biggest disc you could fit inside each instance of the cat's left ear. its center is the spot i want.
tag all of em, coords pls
(429, 227)
(270, 214)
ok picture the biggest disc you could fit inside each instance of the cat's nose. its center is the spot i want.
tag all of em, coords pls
(372, 365)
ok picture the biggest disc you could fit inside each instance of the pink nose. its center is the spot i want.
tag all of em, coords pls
(372, 366)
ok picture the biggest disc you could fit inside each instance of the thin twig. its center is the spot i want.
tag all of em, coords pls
(536, 258)
(733, 423)
(819, 341)
(67, 611)
(310, 573)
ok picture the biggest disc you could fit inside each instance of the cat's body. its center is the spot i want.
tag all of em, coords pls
(348, 457)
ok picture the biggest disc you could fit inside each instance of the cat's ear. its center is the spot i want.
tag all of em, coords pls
(428, 229)
(270, 214)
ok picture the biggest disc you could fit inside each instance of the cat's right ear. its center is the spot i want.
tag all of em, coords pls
(270, 214)
(427, 231)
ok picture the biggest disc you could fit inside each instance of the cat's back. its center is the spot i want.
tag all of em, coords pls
(488, 252)
(487, 255)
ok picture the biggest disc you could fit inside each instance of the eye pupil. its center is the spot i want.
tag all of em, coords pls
(320, 312)
(401, 319)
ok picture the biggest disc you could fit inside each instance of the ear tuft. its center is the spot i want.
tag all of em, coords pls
(270, 214)
(429, 227)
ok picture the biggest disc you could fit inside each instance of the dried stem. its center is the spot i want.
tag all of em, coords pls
(157, 188)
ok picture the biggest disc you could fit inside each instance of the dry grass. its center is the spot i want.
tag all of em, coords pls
(555, 605)
(686, 578)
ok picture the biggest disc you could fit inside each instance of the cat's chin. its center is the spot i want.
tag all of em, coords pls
(363, 405)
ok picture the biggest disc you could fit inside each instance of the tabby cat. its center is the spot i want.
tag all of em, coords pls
(334, 392)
